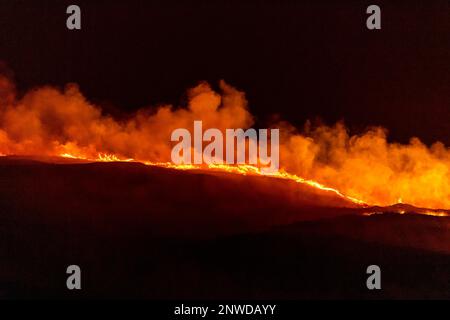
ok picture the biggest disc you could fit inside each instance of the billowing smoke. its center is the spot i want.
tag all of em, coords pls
(368, 167)
(50, 121)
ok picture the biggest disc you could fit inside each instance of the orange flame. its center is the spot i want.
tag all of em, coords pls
(364, 169)
(243, 169)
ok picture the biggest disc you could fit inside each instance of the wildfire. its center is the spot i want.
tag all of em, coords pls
(243, 169)
(365, 169)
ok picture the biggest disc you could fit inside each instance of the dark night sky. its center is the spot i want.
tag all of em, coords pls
(300, 59)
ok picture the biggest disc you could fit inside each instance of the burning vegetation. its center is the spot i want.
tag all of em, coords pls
(365, 169)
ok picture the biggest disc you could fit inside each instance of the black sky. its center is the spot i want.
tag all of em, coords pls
(300, 59)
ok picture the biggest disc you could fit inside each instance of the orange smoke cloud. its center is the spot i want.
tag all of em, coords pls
(368, 167)
(48, 121)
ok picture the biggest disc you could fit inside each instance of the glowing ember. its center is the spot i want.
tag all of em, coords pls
(427, 213)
